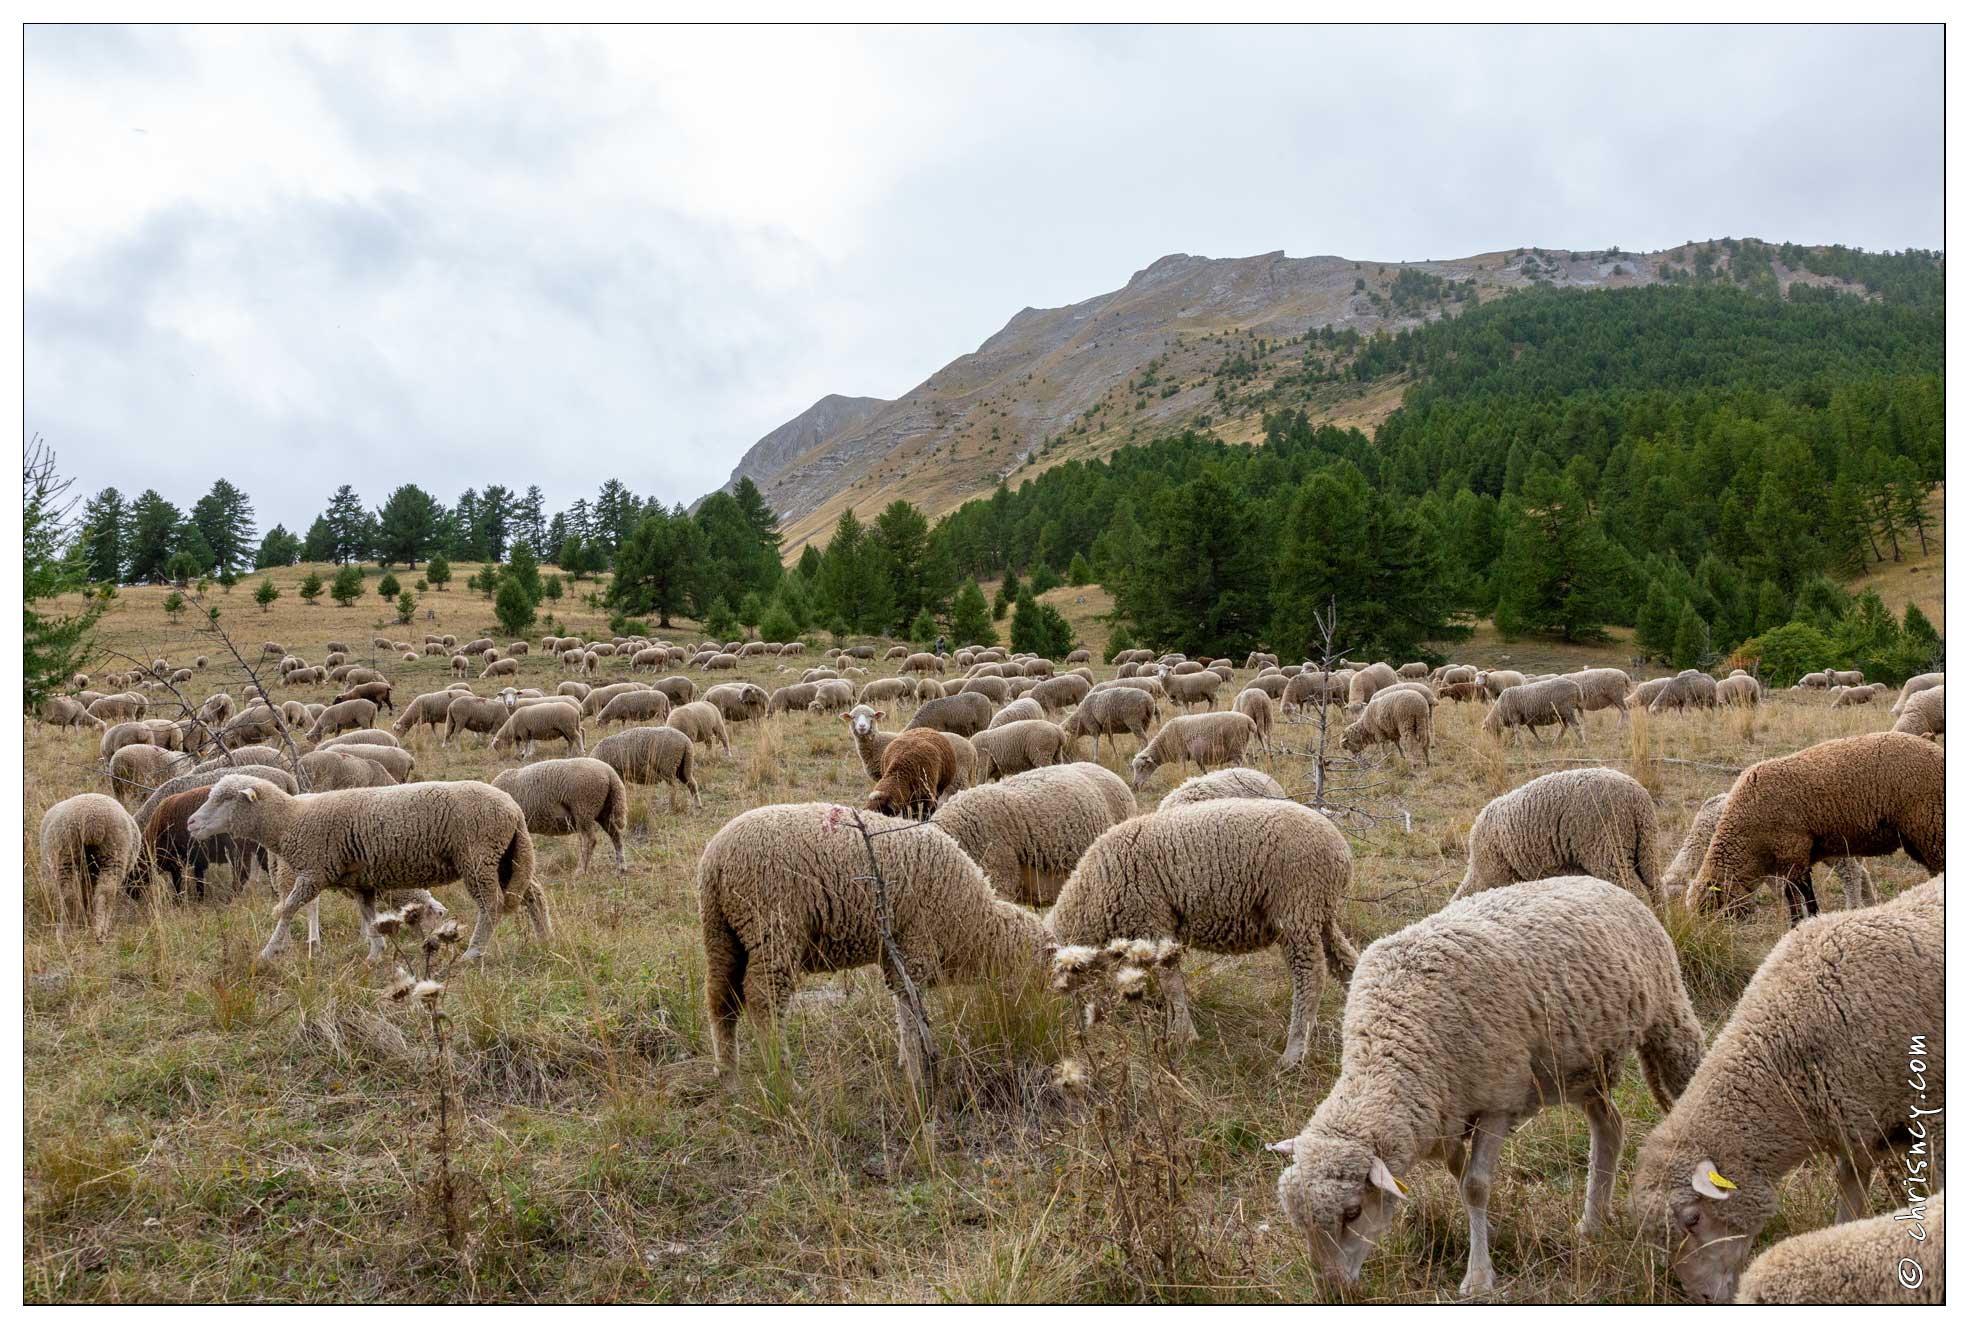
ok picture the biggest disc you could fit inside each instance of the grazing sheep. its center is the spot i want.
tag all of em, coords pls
(1188, 689)
(1230, 875)
(987, 685)
(1311, 687)
(1022, 745)
(89, 845)
(500, 669)
(1059, 692)
(1689, 688)
(739, 702)
(1738, 690)
(1856, 797)
(1924, 714)
(170, 848)
(428, 709)
(558, 718)
(119, 706)
(1257, 704)
(653, 754)
(964, 715)
(1889, 1260)
(1814, 1061)
(1862, 695)
(831, 694)
(1392, 714)
(65, 713)
(404, 838)
(138, 768)
(785, 890)
(1530, 705)
(1463, 1025)
(719, 660)
(634, 707)
(1025, 708)
(376, 692)
(1231, 782)
(1029, 830)
(1918, 684)
(122, 735)
(381, 738)
(922, 662)
(1273, 685)
(1109, 713)
(1846, 678)
(918, 770)
(1675, 878)
(701, 722)
(1366, 682)
(328, 768)
(476, 715)
(1495, 682)
(1217, 738)
(1602, 689)
(793, 697)
(595, 699)
(399, 762)
(1590, 822)
(879, 691)
(571, 796)
(1415, 670)
(1646, 691)
(359, 713)
(206, 779)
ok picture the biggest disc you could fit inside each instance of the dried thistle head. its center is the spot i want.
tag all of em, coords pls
(427, 990)
(406, 981)
(411, 912)
(1071, 963)
(444, 934)
(388, 923)
(1139, 951)
(1069, 1075)
(1132, 982)
(1168, 951)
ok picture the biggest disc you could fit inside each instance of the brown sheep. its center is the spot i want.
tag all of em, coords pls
(376, 692)
(918, 770)
(169, 847)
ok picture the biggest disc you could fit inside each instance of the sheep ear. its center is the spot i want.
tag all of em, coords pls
(1283, 1146)
(880, 714)
(252, 794)
(1708, 1181)
(1377, 1172)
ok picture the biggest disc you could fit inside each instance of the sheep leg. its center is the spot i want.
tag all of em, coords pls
(1181, 1029)
(1308, 967)
(1486, 1142)
(366, 912)
(587, 845)
(1799, 900)
(1857, 882)
(1603, 1124)
(536, 911)
(307, 889)
(1852, 1189)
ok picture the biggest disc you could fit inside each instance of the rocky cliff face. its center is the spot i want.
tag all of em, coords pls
(1188, 342)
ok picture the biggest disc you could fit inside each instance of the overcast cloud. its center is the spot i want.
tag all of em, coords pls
(459, 257)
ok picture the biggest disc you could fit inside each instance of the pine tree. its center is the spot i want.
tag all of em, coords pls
(224, 518)
(406, 607)
(1691, 641)
(1556, 565)
(1080, 572)
(719, 622)
(407, 526)
(530, 522)
(278, 549)
(52, 647)
(388, 586)
(1009, 591)
(524, 568)
(438, 571)
(347, 587)
(1041, 629)
(174, 605)
(777, 624)
(353, 528)
(103, 520)
(513, 607)
(153, 528)
(311, 586)
(318, 546)
(266, 595)
(659, 567)
(970, 618)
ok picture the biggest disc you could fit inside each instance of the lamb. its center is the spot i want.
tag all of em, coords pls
(328, 768)
(477, 715)
(1109, 713)
(89, 844)
(169, 847)
(1855, 797)
(1918, 684)
(1188, 689)
(1602, 689)
(1390, 716)
(1059, 692)
(1022, 745)
(785, 890)
(1025, 708)
(1029, 830)
(739, 702)
(918, 770)
(1461, 1026)
(635, 707)
(555, 718)
(1923, 714)
(1689, 688)
(405, 837)
(1219, 737)
(1257, 704)
(1888, 1260)
(1589, 822)
(701, 722)
(1230, 875)
(653, 754)
(358, 713)
(1858, 887)
(1529, 705)
(964, 715)
(1814, 1061)
(571, 796)
(1231, 782)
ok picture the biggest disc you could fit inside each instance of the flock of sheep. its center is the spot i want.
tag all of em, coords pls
(1003, 856)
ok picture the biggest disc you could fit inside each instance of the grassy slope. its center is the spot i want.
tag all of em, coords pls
(196, 1129)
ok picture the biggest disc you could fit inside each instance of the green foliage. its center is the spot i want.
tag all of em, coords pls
(1557, 570)
(387, 586)
(751, 609)
(1045, 579)
(624, 626)
(856, 583)
(174, 605)
(438, 571)
(347, 587)
(778, 625)
(923, 631)
(1008, 594)
(720, 621)
(182, 567)
(406, 607)
(1119, 640)
(1040, 628)
(310, 587)
(266, 595)
(1787, 653)
(408, 526)
(1080, 572)
(553, 587)
(422, 586)
(524, 568)
(970, 618)
(1691, 648)
(53, 647)
(512, 606)
(659, 567)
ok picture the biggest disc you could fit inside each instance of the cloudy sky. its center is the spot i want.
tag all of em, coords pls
(297, 258)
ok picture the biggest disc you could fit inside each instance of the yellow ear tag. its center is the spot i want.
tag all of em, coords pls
(1722, 1182)
(1400, 1185)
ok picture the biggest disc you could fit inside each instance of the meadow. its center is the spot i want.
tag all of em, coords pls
(202, 1128)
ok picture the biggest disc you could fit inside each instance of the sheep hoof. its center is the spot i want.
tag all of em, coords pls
(1289, 1061)
(1477, 1281)
(1587, 1227)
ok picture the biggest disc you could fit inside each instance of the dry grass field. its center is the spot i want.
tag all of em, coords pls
(199, 1128)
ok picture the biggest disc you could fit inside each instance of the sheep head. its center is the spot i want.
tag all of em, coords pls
(230, 806)
(1341, 1196)
(1709, 1220)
